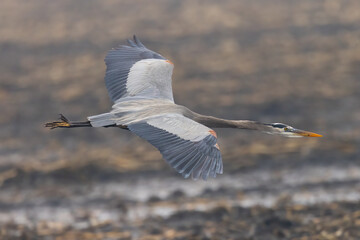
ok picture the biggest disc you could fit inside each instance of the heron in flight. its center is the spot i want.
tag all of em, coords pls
(138, 81)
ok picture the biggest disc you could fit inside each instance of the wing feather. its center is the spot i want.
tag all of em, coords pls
(186, 145)
(133, 70)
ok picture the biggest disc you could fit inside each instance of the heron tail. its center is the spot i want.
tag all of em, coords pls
(102, 120)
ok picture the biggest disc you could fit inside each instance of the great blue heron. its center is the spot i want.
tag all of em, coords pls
(138, 81)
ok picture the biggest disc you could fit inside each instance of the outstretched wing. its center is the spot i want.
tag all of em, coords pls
(134, 70)
(186, 145)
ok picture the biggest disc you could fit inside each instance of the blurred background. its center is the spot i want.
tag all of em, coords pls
(296, 62)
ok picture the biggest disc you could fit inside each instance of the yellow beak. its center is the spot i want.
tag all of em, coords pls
(306, 133)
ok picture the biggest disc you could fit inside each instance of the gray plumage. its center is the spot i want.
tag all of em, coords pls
(118, 64)
(197, 158)
(139, 83)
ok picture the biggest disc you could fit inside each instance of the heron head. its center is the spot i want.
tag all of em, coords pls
(288, 131)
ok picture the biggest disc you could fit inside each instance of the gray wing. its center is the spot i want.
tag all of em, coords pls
(134, 70)
(186, 145)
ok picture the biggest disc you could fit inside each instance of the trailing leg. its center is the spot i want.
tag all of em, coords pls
(65, 123)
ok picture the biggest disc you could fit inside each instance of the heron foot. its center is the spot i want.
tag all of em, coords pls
(63, 123)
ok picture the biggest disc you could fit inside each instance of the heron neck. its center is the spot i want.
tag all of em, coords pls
(213, 122)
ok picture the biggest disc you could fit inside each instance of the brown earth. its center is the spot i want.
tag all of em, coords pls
(296, 62)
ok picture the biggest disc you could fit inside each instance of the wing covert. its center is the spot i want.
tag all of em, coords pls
(186, 145)
(134, 70)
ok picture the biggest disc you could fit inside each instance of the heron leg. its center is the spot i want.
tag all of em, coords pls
(65, 123)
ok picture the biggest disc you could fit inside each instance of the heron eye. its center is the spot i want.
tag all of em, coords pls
(286, 129)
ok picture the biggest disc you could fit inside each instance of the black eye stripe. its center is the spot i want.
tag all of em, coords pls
(279, 125)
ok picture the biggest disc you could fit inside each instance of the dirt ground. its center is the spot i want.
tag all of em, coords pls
(296, 62)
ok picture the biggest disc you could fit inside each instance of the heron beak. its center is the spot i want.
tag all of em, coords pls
(306, 133)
